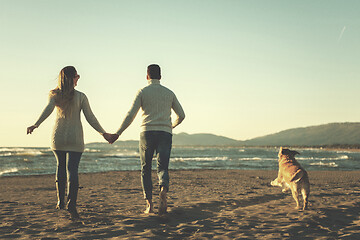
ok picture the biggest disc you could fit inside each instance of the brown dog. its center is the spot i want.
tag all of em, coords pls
(292, 175)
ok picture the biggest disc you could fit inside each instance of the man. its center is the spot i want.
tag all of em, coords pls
(156, 102)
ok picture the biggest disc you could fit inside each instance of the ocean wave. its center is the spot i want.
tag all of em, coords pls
(122, 155)
(314, 149)
(344, 151)
(29, 153)
(305, 158)
(91, 150)
(20, 152)
(342, 157)
(330, 164)
(254, 158)
(198, 159)
(34, 153)
(5, 154)
(10, 170)
(221, 159)
(11, 149)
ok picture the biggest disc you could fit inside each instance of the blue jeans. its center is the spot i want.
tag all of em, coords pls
(67, 171)
(161, 142)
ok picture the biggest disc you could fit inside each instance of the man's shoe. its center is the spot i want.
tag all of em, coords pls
(73, 214)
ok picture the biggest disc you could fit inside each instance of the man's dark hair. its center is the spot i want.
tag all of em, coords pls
(154, 71)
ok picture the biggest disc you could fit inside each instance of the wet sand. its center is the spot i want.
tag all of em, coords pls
(203, 204)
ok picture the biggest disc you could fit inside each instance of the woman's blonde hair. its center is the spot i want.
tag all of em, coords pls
(64, 92)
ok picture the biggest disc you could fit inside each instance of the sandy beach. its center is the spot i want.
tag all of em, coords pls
(203, 204)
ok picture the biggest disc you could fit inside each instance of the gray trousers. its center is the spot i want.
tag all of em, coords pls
(150, 142)
(67, 171)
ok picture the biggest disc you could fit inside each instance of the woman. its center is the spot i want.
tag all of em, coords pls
(67, 140)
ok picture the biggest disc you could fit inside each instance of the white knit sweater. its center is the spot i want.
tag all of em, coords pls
(156, 101)
(68, 132)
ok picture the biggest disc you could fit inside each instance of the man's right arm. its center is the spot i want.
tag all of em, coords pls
(131, 114)
(176, 106)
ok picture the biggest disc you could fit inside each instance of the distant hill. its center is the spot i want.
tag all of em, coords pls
(327, 134)
(181, 139)
(203, 139)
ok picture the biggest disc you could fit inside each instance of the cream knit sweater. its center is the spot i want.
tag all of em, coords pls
(68, 132)
(156, 102)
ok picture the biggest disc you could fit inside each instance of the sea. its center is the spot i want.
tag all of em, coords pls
(20, 161)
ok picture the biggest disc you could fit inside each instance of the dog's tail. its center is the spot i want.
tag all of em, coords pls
(299, 174)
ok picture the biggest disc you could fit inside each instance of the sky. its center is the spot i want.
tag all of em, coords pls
(240, 69)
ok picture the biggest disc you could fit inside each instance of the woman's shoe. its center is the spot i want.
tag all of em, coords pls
(60, 205)
(60, 192)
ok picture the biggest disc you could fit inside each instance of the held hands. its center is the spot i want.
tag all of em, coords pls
(114, 137)
(30, 129)
(111, 138)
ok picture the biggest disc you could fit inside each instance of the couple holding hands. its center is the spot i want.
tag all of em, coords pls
(67, 142)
